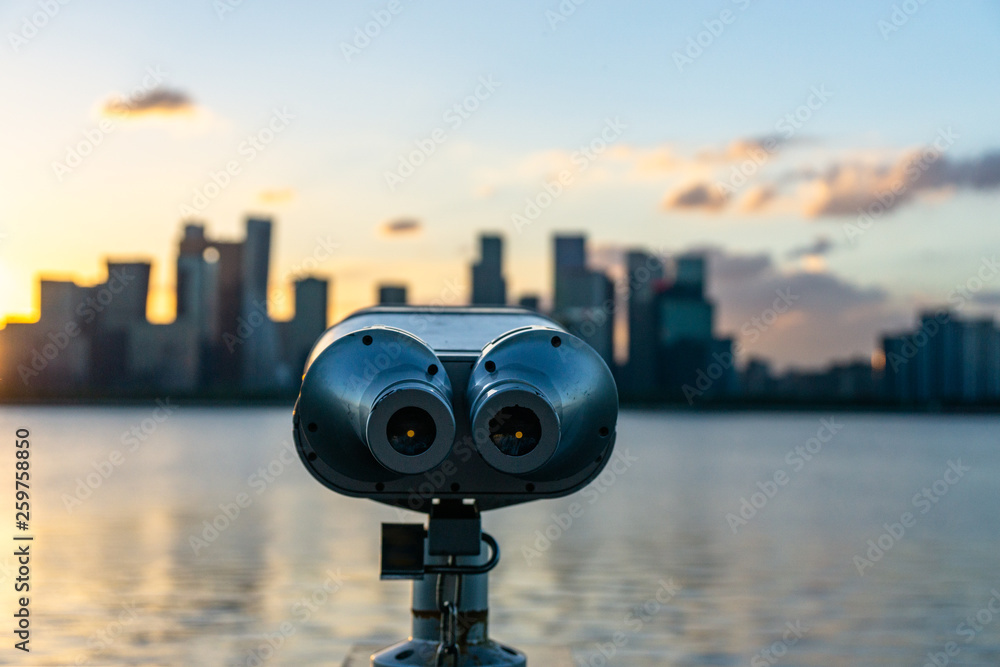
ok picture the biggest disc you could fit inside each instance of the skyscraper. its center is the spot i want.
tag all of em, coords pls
(571, 251)
(120, 307)
(687, 348)
(689, 275)
(570, 271)
(309, 322)
(256, 261)
(488, 285)
(392, 295)
(584, 299)
(645, 276)
(260, 348)
(190, 281)
(128, 285)
(529, 301)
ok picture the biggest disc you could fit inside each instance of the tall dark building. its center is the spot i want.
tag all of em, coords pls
(190, 279)
(529, 301)
(945, 360)
(228, 293)
(584, 299)
(686, 347)
(570, 270)
(261, 348)
(256, 261)
(96, 340)
(645, 276)
(571, 251)
(299, 333)
(488, 285)
(128, 283)
(981, 361)
(392, 295)
(120, 305)
(689, 275)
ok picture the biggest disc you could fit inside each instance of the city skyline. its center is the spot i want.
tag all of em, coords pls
(822, 149)
(94, 341)
(612, 271)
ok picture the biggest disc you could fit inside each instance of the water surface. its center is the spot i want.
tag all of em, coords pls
(650, 571)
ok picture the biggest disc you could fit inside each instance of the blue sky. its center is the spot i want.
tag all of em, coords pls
(556, 86)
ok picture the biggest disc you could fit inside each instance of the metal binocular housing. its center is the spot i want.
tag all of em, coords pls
(408, 405)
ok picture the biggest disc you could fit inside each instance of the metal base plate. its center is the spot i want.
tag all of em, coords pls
(423, 654)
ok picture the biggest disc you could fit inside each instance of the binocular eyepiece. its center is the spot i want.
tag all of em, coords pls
(405, 405)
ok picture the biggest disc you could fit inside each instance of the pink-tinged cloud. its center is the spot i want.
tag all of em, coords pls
(848, 186)
(821, 246)
(696, 196)
(160, 101)
(401, 227)
(823, 316)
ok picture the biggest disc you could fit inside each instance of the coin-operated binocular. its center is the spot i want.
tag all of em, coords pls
(450, 412)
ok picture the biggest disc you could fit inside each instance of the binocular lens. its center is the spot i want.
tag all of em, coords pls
(411, 431)
(515, 430)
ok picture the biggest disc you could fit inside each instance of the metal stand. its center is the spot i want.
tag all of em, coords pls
(448, 564)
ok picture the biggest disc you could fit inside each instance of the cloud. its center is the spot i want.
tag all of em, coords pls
(759, 176)
(750, 148)
(849, 185)
(820, 247)
(695, 196)
(987, 297)
(758, 198)
(981, 173)
(159, 101)
(766, 175)
(736, 268)
(401, 227)
(276, 195)
(826, 316)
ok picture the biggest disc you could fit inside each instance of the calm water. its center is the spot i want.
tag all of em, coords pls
(116, 580)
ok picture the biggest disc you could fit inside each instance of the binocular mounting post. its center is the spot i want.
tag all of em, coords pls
(448, 563)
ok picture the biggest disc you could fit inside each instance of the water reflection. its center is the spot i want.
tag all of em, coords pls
(205, 547)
